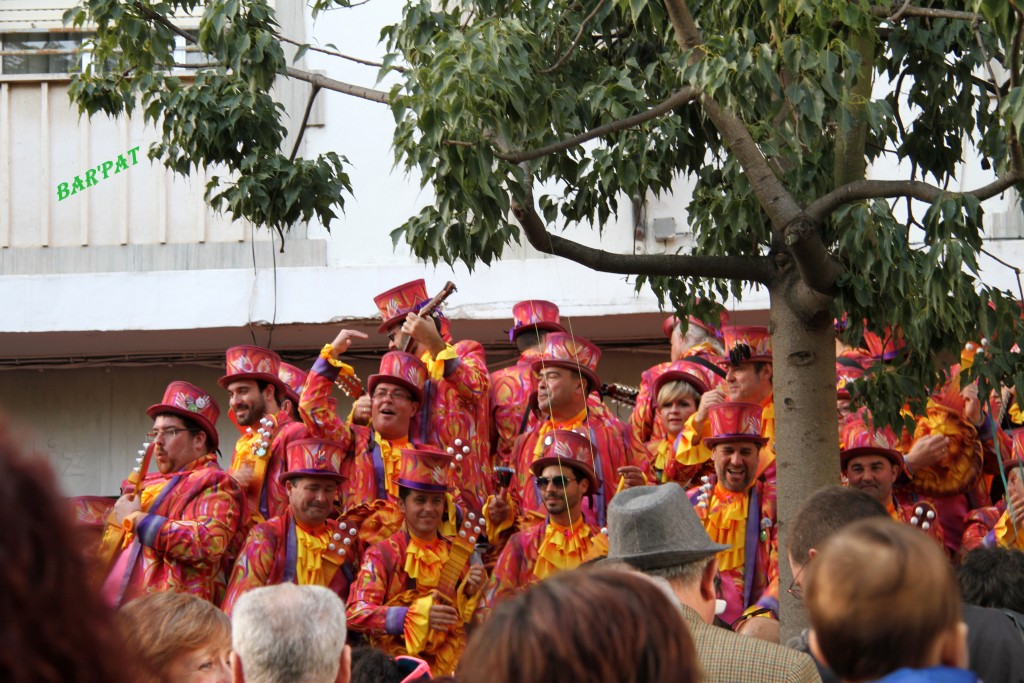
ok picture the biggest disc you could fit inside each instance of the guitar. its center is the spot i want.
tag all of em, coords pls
(113, 533)
(350, 385)
(620, 393)
(429, 308)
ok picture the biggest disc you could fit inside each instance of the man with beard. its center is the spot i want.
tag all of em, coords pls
(871, 462)
(396, 599)
(301, 546)
(176, 534)
(748, 379)
(255, 390)
(564, 540)
(566, 374)
(738, 510)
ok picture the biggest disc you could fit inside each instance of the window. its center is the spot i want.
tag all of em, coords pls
(39, 53)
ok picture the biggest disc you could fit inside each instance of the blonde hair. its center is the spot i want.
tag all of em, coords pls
(675, 390)
(160, 627)
(879, 594)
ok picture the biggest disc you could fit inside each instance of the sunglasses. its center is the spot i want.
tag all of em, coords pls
(558, 481)
(413, 668)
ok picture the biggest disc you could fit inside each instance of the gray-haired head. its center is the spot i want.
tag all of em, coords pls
(289, 634)
(654, 527)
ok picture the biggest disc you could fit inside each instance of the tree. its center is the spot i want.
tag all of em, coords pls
(774, 109)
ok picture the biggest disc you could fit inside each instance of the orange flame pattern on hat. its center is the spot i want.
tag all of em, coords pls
(400, 300)
(252, 359)
(402, 368)
(560, 346)
(886, 346)
(535, 312)
(747, 343)
(424, 469)
(845, 374)
(735, 422)
(858, 438)
(312, 458)
(293, 379)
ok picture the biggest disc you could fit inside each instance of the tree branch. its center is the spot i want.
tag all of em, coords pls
(780, 205)
(315, 79)
(579, 35)
(357, 60)
(907, 11)
(326, 83)
(818, 269)
(860, 190)
(678, 98)
(748, 269)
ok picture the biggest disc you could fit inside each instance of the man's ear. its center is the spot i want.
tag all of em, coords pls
(584, 486)
(707, 580)
(345, 670)
(811, 553)
(236, 669)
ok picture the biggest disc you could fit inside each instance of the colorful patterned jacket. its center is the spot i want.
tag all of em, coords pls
(750, 569)
(455, 406)
(182, 540)
(990, 527)
(510, 395)
(516, 568)
(391, 608)
(266, 495)
(269, 557)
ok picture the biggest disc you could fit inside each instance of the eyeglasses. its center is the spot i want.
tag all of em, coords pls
(413, 668)
(380, 395)
(558, 481)
(795, 589)
(167, 434)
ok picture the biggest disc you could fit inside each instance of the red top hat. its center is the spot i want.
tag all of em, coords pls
(403, 369)
(858, 439)
(191, 403)
(534, 314)
(685, 371)
(847, 371)
(732, 422)
(568, 449)
(255, 363)
(562, 350)
(396, 303)
(747, 344)
(293, 379)
(886, 346)
(424, 468)
(313, 458)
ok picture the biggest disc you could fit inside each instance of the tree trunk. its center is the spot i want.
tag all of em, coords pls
(806, 441)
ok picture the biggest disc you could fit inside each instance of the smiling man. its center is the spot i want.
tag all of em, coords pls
(394, 599)
(300, 546)
(748, 379)
(176, 535)
(738, 510)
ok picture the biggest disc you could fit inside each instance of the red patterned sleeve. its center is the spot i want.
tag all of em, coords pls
(366, 611)
(254, 565)
(320, 420)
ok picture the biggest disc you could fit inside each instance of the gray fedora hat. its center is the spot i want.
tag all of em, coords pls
(653, 527)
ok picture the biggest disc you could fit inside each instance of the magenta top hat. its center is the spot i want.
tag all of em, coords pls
(293, 379)
(731, 422)
(534, 314)
(562, 350)
(313, 458)
(403, 369)
(682, 370)
(747, 344)
(424, 468)
(858, 439)
(255, 363)
(191, 403)
(396, 303)
(568, 449)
